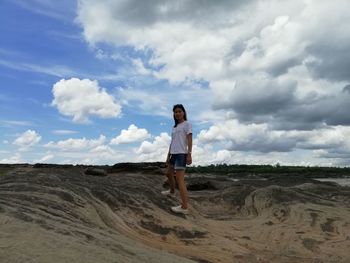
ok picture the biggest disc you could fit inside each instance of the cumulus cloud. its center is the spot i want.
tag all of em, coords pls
(278, 103)
(254, 97)
(148, 102)
(81, 99)
(235, 52)
(316, 146)
(330, 140)
(104, 154)
(45, 158)
(89, 152)
(13, 159)
(154, 151)
(148, 13)
(250, 137)
(202, 155)
(132, 134)
(329, 42)
(158, 102)
(316, 109)
(140, 67)
(27, 139)
(77, 144)
(181, 49)
(277, 72)
(219, 40)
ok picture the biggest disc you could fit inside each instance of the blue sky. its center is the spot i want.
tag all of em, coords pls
(94, 82)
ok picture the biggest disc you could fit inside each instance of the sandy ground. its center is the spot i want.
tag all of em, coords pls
(307, 233)
(65, 216)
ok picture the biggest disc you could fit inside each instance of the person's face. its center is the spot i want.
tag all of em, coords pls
(179, 114)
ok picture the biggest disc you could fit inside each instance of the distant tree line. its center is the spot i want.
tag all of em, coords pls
(245, 169)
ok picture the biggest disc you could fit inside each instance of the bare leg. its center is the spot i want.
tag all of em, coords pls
(180, 177)
(170, 174)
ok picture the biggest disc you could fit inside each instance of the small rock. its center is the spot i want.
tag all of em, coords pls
(95, 171)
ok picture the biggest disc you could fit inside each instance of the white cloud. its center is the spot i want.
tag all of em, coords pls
(101, 155)
(90, 152)
(140, 67)
(52, 9)
(154, 151)
(251, 137)
(204, 154)
(87, 151)
(77, 144)
(199, 47)
(132, 134)
(81, 99)
(102, 149)
(45, 158)
(177, 45)
(159, 102)
(277, 91)
(63, 132)
(246, 143)
(27, 139)
(14, 159)
(232, 41)
(17, 123)
(148, 102)
(329, 143)
(56, 70)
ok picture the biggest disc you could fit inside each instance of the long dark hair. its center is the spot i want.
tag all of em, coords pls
(180, 106)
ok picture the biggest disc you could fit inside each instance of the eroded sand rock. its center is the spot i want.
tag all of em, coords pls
(95, 171)
(60, 214)
(145, 167)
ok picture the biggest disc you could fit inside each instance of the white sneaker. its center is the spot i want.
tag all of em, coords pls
(179, 210)
(167, 193)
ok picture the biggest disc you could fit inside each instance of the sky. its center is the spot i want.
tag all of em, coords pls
(94, 82)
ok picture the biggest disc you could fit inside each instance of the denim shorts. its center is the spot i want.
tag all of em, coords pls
(178, 160)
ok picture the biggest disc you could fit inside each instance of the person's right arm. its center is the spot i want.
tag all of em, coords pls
(168, 158)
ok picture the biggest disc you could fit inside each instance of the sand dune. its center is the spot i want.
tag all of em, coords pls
(60, 214)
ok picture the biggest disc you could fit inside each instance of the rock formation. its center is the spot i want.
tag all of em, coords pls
(53, 213)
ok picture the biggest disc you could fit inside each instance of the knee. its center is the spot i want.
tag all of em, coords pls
(180, 175)
(169, 173)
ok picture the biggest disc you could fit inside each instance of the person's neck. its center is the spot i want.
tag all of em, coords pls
(181, 121)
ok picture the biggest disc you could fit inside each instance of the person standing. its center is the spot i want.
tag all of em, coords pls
(179, 155)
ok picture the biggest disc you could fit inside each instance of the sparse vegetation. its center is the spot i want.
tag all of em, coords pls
(232, 170)
(3, 171)
(270, 170)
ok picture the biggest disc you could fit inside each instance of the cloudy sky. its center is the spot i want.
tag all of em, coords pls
(93, 82)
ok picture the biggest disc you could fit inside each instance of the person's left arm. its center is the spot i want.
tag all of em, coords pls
(189, 148)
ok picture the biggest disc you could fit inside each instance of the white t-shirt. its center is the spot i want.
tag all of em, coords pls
(179, 137)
